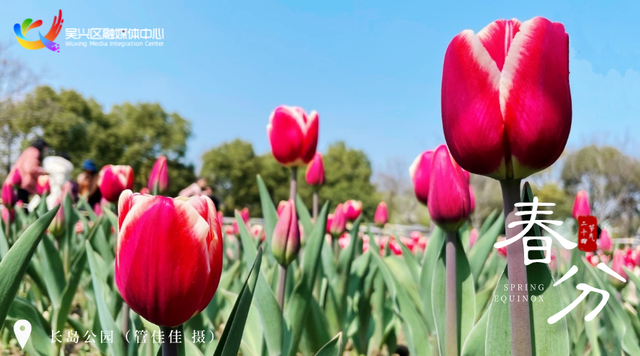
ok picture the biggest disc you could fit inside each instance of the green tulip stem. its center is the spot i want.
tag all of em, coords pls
(7, 228)
(517, 271)
(451, 342)
(315, 205)
(125, 318)
(172, 345)
(282, 283)
(294, 183)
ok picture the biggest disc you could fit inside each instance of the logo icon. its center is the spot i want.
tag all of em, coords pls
(44, 41)
(22, 329)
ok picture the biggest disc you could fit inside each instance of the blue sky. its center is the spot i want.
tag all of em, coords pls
(372, 69)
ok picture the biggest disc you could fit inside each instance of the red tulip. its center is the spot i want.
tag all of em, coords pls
(420, 172)
(449, 201)
(506, 102)
(338, 221)
(258, 232)
(285, 243)
(145, 190)
(394, 246)
(168, 256)
(636, 255)
(381, 216)
(616, 266)
(97, 209)
(43, 184)
(244, 213)
(592, 258)
(473, 237)
(13, 178)
(581, 205)
(352, 209)
(9, 196)
(344, 240)
(113, 180)
(159, 177)
(415, 235)
(293, 135)
(315, 170)
(604, 242)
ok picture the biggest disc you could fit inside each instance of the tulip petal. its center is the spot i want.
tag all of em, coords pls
(285, 134)
(471, 116)
(310, 132)
(496, 38)
(535, 98)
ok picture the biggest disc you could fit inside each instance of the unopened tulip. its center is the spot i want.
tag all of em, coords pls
(473, 237)
(506, 102)
(113, 180)
(258, 232)
(168, 256)
(145, 190)
(420, 172)
(344, 240)
(616, 265)
(244, 213)
(604, 242)
(394, 246)
(352, 209)
(449, 202)
(8, 215)
(581, 205)
(315, 170)
(293, 135)
(281, 206)
(592, 258)
(43, 184)
(285, 243)
(97, 209)
(381, 216)
(13, 178)
(338, 222)
(159, 177)
(415, 235)
(9, 196)
(57, 226)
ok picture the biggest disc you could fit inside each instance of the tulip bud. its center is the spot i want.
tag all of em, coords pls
(281, 206)
(473, 237)
(338, 222)
(113, 180)
(97, 209)
(285, 243)
(344, 240)
(381, 216)
(509, 82)
(352, 209)
(258, 232)
(581, 205)
(592, 258)
(315, 170)
(604, 242)
(293, 135)
(43, 184)
(14, 178)
(449, 201)
(168, 256)
(244, 213)
(57, 226)
(420, 172)
(8, 215)
(9, 196)
(159, 177)
(616, 266)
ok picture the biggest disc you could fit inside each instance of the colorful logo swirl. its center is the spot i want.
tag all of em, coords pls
(44, 41)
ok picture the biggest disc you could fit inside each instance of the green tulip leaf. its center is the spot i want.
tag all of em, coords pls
(474, 344)
(488, 222)
(39, 342)
(436, 241)
(117, 348)
(296, 310)
(466, 297)
(15, 262)
(269, 212)
(52, 270)
(303, 216)
(229, 342)
(415, 330)
(333, 347)
(484, 245)
(265, 300)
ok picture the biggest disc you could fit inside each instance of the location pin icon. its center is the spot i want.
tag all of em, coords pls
(22, 329)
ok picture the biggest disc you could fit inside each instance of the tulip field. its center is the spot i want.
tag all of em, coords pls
(145, 274)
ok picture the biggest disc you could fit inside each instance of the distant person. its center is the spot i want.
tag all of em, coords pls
(88, 183)
(194, 189)
(59, 168)
(210, 192)
(29, 166)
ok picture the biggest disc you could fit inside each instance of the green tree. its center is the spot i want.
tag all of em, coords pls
(131, 134)
(612, 180)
